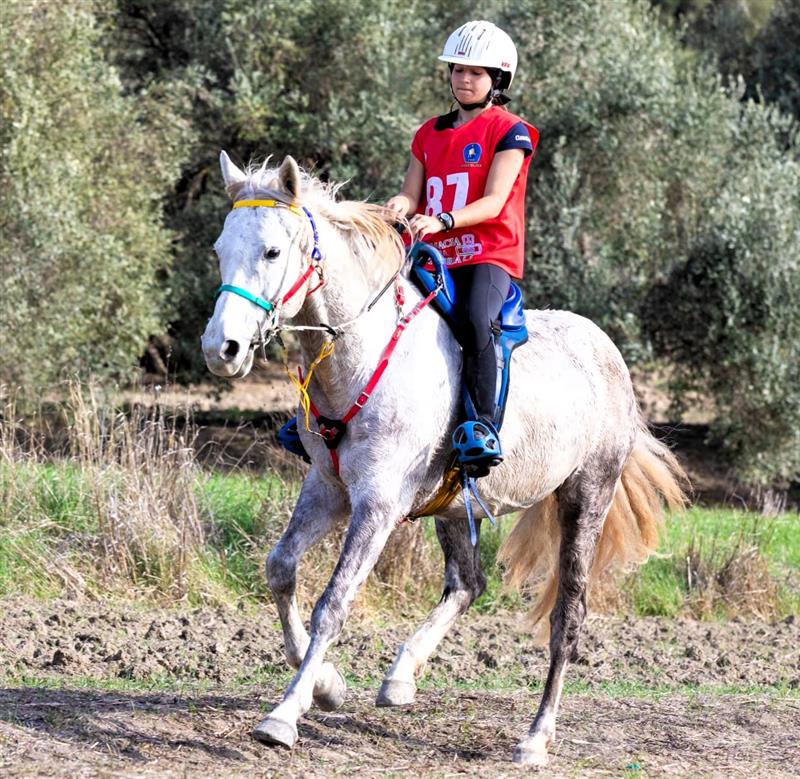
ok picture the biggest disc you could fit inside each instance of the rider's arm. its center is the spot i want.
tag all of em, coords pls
(503, 173)
(406, 202)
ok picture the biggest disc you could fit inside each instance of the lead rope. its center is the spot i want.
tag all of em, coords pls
(302, 383)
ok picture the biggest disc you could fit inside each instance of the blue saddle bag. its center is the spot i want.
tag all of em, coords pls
(428, 270)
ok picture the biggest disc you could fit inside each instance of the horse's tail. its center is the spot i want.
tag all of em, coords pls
(651, 478)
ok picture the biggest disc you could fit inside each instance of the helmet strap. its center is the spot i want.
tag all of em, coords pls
(472, 106)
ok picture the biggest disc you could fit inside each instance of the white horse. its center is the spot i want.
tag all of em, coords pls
(579, 465)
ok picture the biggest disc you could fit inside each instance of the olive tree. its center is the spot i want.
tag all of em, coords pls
(83, 170)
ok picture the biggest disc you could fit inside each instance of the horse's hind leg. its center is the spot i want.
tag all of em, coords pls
(318, 509)
(463, 583)
(583, 503)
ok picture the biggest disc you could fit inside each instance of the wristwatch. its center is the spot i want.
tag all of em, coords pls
(446, 218)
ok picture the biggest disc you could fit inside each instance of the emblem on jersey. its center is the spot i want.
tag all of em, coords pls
(472, 152)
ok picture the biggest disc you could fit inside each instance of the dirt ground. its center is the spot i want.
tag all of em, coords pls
(648, 697)
(108, 690)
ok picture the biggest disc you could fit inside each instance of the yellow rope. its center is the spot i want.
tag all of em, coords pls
(302, 386)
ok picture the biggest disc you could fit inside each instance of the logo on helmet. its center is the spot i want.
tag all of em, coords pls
(472, 152)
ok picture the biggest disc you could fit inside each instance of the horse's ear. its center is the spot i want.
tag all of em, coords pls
(230, 173)
(289, 177)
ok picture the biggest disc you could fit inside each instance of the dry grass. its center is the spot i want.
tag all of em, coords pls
(146, 518)
(141, 471)
(737, 582)
(133, 477)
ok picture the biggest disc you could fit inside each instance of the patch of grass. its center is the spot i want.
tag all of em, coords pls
(719, 563)
(157, 683)
(496, 596)
(657, 589)
(125, 507)
(244, 515)
(515, 677)
(24, 553)
(266, 675)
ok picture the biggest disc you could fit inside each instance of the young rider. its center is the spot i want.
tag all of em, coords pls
(471, 166)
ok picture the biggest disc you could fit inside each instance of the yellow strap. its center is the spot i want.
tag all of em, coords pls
(266, 204)
(302, 386)
(451, 484)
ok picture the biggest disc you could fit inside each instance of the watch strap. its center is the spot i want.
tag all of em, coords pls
(446, 218)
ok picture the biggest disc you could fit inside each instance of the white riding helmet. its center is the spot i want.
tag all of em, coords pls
(485, 45)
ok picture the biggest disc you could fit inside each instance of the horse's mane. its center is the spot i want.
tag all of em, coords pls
(367, 227)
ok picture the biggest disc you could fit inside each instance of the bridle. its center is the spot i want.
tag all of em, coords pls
(270, 327)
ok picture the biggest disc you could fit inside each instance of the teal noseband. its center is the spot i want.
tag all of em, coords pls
(316, 255)
(243, 293)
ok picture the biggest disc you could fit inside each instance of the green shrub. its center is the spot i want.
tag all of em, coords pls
(83, 170)
(727, 315)
(339, 85)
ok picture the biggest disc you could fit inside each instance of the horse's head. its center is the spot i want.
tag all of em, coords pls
(265, 252)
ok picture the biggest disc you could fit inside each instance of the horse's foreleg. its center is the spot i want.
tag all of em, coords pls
(373, 521)
(463, 583)
(319, 507)
(582, 510)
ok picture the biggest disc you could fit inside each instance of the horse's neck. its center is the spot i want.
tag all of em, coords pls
(343, 298)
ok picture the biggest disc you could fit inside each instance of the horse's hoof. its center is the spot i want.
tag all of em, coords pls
(275, 731)
(394, 692)
(529, 754)
(331, 696)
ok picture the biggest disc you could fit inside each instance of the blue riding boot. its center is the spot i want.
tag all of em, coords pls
(289, 438)
(477, 446)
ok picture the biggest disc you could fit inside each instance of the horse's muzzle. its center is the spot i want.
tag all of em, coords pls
(232, 359)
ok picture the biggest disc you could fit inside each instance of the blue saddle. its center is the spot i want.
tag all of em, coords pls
(429, 271)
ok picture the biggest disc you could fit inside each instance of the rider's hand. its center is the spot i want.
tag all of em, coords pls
(421, 224)
(399, 204)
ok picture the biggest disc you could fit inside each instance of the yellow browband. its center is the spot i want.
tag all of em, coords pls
(266, 204)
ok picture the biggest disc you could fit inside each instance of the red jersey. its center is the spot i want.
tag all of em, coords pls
(457, 162)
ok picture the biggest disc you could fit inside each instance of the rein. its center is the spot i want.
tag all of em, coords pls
(333, 430)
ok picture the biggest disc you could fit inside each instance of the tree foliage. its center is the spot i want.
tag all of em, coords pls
(82, 171)
(663, 198)
(339, 84)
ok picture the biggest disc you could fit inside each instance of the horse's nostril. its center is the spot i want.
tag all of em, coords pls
(229, 350)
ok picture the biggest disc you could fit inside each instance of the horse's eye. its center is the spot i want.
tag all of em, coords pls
(271, 253)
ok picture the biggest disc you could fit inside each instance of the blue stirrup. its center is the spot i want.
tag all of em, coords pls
(477, 446)
(289, 438)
